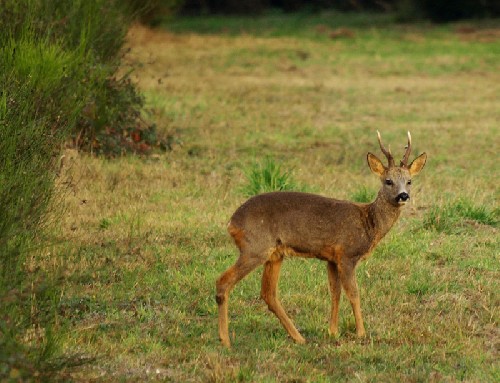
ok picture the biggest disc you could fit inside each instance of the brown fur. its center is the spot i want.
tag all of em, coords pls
(270, 226)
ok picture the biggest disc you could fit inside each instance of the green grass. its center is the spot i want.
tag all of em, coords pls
(144, 239)
(456, 216)
(363, 195)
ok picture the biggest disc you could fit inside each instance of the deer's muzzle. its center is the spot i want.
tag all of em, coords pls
(402, 197)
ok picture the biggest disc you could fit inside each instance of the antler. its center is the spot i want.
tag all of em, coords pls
(387, 153)
(404, 161)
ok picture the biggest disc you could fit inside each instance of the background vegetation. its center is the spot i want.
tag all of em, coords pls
(120, 270)
(436, 10)
(154, 11)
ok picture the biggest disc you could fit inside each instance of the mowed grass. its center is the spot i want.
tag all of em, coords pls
(142, 240)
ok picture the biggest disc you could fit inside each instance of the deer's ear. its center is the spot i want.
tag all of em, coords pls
(417, 165)
(375, 164)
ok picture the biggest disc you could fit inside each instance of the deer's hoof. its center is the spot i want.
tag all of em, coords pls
(333, 333)
(225, 342)
(299, 340)
(361, 334)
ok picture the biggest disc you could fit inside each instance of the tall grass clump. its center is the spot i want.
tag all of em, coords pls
(455, 217)
(57, 61)
(267, 176)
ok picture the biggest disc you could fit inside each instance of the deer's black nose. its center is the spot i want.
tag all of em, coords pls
(403, 197)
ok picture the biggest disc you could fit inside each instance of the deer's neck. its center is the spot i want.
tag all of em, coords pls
(383, 215)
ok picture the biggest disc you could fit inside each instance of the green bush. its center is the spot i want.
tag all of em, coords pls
(95, 26)
(40, 102)
(57, 61)
(38, 105)
(95, 31)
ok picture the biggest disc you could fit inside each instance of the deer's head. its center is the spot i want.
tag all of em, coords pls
(396, 180)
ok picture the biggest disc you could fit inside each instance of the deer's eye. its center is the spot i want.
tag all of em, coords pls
(389, 182)
(409, 182)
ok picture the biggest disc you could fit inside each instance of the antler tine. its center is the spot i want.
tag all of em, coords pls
(386, 152)
(404, 161)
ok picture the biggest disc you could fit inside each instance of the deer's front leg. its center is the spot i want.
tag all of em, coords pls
(348, 279)
(335, 290)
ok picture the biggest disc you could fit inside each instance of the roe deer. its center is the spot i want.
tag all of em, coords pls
(269, 226)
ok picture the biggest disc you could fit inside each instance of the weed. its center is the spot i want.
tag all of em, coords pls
(105, 223)
(267, 176)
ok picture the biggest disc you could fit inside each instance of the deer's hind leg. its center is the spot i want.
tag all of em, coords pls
(269, 293)
(243, 266)
(335, 290)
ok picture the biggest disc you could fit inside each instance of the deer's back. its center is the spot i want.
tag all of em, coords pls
(308, 224)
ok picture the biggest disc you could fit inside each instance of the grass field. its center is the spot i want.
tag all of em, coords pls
(142, 240)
